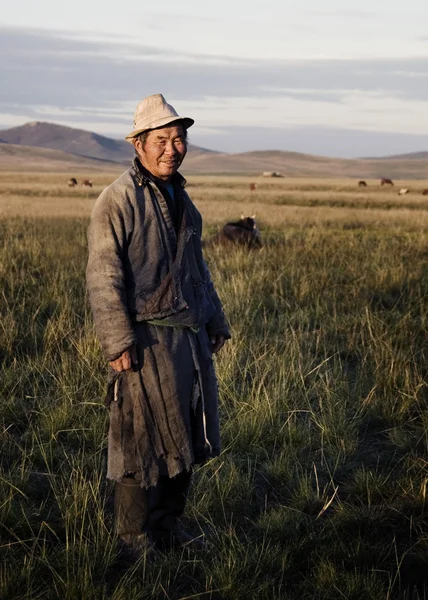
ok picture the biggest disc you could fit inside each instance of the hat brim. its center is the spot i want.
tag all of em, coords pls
(187, 122)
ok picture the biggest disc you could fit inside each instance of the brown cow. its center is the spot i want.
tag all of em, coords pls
(253, 186)
(240, 233)
(386, 182)
(425, 192)
(72, 182)
(87, 183)
(362, 183)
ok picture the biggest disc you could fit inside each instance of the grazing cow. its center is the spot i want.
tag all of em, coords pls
(386, 182)
(425, 192)
(403, 191)
(87, 183)
(362, 184)
(253, 186)
(272, 174)
(72, 182)
(241, 233)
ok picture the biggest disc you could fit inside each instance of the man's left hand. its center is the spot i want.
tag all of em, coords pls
(217, 342)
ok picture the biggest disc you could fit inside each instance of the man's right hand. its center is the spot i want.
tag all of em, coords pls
(126, 360)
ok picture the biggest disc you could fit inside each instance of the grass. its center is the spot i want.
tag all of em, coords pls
(321, 488)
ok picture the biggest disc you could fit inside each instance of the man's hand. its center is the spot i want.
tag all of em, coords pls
(126, 360)
(217, 342)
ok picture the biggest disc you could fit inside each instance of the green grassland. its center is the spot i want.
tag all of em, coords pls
(321, 489)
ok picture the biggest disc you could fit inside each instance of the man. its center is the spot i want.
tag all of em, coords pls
(159, 320)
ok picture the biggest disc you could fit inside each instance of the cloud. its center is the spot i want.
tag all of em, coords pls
(180, 20)
(323, 141)
(96, 83)
(356, 110)
(347, 14)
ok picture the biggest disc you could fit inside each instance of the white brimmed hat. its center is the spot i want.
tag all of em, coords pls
(154, 112)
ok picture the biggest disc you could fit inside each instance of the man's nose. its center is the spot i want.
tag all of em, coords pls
(170, 149)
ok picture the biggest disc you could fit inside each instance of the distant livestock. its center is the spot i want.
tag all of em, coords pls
(403, 191)
(72, 182)
(425, 192)
(272, 174)
(386, 182)
(253, 187)
(87, 183)
(240, 233)
(362, 183)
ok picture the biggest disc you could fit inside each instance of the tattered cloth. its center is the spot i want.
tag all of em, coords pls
(151, 288)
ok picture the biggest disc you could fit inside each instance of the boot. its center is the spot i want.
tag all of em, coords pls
(167, 501)
(130, 513)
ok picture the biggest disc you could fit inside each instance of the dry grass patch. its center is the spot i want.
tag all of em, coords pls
(277, 202)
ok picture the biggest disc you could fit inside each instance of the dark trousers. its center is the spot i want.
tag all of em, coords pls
(154, 510)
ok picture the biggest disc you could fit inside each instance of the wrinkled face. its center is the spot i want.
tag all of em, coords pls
(163, 151)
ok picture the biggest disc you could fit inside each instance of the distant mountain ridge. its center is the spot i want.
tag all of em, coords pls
(14, 157)
(45, 146)
(409, 156)
(73, 141)
(294, 164)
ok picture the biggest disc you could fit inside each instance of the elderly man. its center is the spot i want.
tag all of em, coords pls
(159, 320)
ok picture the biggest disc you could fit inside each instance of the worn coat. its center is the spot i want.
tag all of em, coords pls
(149, 285)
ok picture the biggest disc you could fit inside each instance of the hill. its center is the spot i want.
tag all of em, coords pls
(74, 141)
(46, 146)
(15, 157)
(411, 156)
(293, 164)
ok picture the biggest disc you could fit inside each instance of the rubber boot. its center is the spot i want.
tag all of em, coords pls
(130, 513)
(167, 501)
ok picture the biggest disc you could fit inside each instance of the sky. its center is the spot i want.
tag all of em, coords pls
(339, 78)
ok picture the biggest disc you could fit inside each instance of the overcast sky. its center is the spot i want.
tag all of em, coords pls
(306, 76)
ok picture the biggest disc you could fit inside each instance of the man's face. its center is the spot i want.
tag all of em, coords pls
(163, 151)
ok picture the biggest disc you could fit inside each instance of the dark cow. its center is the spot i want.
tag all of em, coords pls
(87, 183)
(362, 183)
(72, 182)
(241, 233)
(386, 182)
(425, 192)
(253, 187)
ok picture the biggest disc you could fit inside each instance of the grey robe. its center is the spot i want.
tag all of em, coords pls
(150, 288)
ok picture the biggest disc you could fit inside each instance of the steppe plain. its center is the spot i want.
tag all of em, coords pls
(321, 488)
